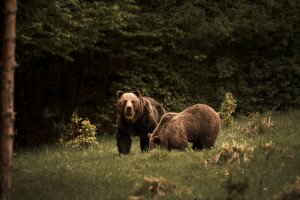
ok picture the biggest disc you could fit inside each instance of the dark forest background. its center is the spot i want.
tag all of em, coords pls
(75, 55)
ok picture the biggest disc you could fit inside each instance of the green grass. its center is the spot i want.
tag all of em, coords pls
(54, 172)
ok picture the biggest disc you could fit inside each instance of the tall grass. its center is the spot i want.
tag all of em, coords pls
(55, 172)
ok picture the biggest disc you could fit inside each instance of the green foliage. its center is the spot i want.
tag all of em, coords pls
(80, 133)
(206, 47)
(62, 28)
(167, 92)
(228, 107)
(178, 52)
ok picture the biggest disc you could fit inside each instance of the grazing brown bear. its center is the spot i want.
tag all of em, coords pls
(198, 124)
(138, 116)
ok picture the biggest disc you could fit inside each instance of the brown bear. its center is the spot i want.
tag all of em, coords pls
(137, 116)
(198, 124)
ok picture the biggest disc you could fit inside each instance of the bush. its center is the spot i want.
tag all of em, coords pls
(80, 133)
(228, 107)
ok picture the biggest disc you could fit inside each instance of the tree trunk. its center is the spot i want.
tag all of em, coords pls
(7, 115)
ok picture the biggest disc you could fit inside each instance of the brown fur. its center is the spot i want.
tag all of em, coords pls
(143, 118)
(198, 124)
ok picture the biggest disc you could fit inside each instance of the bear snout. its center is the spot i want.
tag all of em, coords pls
(128, 108)
(128, 111)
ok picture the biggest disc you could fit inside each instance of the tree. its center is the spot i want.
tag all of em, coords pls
(7, 115)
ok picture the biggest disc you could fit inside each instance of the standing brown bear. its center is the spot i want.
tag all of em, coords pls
(198, 124)
(137, 116)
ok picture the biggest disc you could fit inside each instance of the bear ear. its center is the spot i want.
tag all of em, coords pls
(156, 140)
(119, 93)
(137, 93)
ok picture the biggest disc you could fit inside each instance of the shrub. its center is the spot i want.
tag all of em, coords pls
(228, 107)
(80, 133)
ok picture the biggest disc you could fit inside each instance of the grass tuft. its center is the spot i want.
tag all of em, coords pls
(159, 188)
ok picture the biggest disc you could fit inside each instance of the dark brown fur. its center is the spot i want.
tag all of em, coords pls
(146, 113)
(198, 124)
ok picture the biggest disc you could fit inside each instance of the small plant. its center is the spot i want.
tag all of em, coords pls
(157, 188)
(228, 107)
(235, 152)
(80, 133)
(259, 124)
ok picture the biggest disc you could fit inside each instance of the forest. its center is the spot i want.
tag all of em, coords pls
(75, 55)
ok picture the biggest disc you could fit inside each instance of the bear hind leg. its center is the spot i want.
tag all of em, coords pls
(197, 146)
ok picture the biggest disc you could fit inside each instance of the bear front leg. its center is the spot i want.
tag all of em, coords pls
(144, 143)
(123, 142)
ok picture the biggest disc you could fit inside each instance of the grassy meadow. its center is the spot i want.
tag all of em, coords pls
(240, 166)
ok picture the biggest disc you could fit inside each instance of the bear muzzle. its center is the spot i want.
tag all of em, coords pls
(128, 112)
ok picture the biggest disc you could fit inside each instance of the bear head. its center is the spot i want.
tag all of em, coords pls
(130, 105)
(158, 139)
(154, 141)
